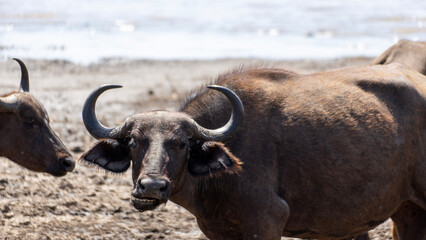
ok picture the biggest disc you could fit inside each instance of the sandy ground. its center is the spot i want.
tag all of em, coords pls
(87, 203)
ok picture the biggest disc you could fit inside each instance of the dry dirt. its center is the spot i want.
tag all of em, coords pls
(90, 204)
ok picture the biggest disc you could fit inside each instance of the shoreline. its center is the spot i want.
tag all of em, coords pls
(124, 60)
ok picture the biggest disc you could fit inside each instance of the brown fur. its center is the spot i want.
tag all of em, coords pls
(407, 52)
(25, 134)
(27, 139)
(327, 155)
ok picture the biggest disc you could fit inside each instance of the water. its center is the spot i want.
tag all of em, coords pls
(86, 31)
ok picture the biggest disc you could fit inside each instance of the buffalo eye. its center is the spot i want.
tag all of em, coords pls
(30, 124)
(177, 145)
(182, 146)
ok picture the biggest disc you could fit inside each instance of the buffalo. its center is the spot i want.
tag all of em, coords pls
(275, 153)
(406, 52)
(25, 135)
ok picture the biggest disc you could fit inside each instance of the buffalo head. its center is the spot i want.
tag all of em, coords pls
(164, 148)
(25, 135)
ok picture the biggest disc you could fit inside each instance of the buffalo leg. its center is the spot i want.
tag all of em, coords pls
(268, 220)
(263, 218)
(363, 236)
(409, 222)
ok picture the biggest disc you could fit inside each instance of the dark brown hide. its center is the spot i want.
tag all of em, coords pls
(407, 52)
(327, 155)
(26, 137)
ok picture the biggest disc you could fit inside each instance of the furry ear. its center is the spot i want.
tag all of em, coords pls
(109, 154)
(212, 158)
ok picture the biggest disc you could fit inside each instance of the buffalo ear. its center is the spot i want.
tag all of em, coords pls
(109, 154)
(212, 158)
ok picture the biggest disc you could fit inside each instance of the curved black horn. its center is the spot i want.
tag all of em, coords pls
(25, 82)
(236, 119)
(93, 126)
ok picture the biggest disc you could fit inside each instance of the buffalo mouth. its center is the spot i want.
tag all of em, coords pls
(146, 203)
(61, 167)
(56, 172)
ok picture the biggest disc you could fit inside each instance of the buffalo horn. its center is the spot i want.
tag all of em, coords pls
(93, 126)
(224, 132)
(25, 83)
(8, 103)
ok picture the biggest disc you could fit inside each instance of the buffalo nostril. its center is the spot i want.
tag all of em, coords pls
(152, 186)
(163, 189)
(68, 164)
